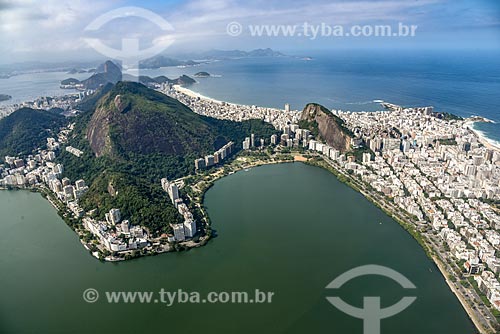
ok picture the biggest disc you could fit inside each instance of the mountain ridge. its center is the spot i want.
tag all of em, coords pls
(133, 136)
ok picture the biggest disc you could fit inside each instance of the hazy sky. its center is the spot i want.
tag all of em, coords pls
(54, 29)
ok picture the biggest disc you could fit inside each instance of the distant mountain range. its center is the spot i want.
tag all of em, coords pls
(231, 54)
(9, 70)
(75, 71)
(163, 61)
(5, 97)
(109, 72)
(186, 59)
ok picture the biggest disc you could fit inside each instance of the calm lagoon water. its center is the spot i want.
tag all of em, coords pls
(290, 229)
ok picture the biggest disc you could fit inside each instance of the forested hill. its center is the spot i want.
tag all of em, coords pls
(133, 136)
(27, 129)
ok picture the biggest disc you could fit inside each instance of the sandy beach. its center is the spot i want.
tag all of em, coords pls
(193, 94)
(481, 137)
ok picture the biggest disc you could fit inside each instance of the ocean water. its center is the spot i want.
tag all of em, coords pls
(28, 87)
(463, 83)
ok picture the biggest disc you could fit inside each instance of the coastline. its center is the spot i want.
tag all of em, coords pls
(481, 136)
(67, 217)
(408, 227)
(417, 236)
(469, 123)
(468, 309)
(300, 159)
(195, 95)
(405, 223)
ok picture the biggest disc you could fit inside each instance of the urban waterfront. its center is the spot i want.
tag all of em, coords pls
(290, 229)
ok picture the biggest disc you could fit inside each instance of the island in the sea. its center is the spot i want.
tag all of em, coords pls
(110, 73)
(202, 75)
(5, 97)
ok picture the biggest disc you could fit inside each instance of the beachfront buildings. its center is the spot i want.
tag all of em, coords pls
(235, 112)
(438, 171)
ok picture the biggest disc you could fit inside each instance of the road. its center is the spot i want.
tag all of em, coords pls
(469, 299)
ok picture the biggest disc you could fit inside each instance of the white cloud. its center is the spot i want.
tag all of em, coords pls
(57, 25)
(42, 26)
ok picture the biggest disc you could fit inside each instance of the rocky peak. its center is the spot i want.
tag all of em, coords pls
(326, 126)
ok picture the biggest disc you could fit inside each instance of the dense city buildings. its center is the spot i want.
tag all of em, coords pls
(187, 229)
(235, 112)
(434, 171)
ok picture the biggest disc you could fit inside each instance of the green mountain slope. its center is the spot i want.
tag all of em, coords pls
(132, 121)
(27, 129)
(133, 137)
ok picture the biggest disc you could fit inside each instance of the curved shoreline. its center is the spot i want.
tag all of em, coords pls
(423, 243)
(470, 122)
(481, 135)
(193, 94)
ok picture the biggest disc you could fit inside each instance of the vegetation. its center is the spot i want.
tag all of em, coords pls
(448, 116)
(311, 126)
(450, 141)
(151, 136)
(140, 121)
(27, 129)
(140, 201)
(359, 151)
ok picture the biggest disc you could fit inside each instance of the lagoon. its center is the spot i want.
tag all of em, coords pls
(290, 229)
